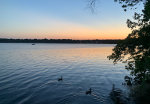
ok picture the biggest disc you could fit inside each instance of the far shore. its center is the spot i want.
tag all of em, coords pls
(97, 41)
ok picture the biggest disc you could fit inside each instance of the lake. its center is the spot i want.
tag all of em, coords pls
(29, 73)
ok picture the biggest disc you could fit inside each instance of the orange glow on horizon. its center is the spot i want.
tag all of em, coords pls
(76, 34)
(52, 28)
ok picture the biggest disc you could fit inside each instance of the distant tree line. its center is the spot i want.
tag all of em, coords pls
(3, 40)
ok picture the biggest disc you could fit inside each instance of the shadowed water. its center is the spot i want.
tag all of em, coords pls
(29, 73)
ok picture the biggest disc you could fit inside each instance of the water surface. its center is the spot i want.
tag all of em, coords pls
(29, 73)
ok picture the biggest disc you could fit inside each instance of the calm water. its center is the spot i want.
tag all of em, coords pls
(29, 73)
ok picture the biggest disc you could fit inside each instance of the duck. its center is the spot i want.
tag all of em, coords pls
(88, 92)
(60, 79)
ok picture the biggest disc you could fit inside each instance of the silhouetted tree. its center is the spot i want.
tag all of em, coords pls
(135, 49)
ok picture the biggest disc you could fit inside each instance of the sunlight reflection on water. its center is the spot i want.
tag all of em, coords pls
(28, 74)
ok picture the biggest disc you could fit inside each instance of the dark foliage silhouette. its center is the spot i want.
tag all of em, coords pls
(135, 51)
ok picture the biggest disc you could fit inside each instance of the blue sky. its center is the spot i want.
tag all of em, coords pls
(62, 19)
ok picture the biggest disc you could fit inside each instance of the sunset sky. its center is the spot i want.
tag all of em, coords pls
(62, 19)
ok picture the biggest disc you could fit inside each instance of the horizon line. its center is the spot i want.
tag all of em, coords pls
(57, 39)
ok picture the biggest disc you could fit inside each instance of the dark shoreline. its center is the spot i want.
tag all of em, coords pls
(107, 41)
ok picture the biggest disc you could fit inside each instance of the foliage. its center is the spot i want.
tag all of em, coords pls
(129, 3)
(141, 93)
(135, 49)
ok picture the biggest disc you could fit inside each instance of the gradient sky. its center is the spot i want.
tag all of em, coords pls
(71, 19)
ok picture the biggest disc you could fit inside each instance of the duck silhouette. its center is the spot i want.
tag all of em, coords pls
(88, 92)
(60, 79)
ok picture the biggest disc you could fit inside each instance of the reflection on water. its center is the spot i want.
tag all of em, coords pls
(29, 73)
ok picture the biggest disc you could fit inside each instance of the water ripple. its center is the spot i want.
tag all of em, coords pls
(28, 75)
